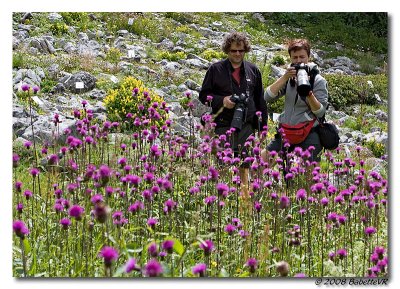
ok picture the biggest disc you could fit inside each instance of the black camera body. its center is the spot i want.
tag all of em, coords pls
(303, 83)
(240, 110)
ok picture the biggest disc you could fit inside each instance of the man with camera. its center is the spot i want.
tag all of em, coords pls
(306, 99)
(234, 87)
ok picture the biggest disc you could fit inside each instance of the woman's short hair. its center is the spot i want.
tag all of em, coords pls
(235, 37)
(299, 44)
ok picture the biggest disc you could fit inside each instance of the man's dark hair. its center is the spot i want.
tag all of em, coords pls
(235, 37)
(298, 44)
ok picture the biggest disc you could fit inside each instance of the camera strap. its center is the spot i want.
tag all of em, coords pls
(247, 78)
(248, 81)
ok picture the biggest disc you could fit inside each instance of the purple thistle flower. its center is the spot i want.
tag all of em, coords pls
(153, 268)
(153, 250)
(53, 159)
(380, 251)
(98, 198)
(105, 174)
(58, 207)
(134, 208)
(209, 200)
(148, 177)
(169, 205)
(18, 186)
(35, 89)
(28, 194)
(122, 162)
(284, 202)
(213, 173)
(65, 223)
(15, 160)
(331, 256)
(131, 265)
(109, 254)
(301, 194)
(19, 207)
(252, 264)
(222, 189)
(152, 222)
(76, 212)
(244, 234)
(28, 144)
(257, 206)
(25, 87)
(324, 201)
(341, 253)
(369, 231)
(207, 246)
(20, 229)
(168, 246)
(118, 219)
(34, 172)
(230, 229)
(199, 269)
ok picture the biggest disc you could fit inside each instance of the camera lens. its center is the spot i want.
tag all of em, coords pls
(303, 84)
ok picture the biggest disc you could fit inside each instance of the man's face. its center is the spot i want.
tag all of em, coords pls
(299, 56)
(236, 53)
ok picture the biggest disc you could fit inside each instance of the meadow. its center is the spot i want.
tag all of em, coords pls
(134, 199)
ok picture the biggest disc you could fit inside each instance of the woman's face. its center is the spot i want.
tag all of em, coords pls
(299, 56)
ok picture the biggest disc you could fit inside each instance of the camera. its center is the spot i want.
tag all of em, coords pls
(240, 110)
(303, 84)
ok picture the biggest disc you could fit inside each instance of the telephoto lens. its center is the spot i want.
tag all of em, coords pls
(303, 84)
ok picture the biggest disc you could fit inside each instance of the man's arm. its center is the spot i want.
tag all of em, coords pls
(207, 89)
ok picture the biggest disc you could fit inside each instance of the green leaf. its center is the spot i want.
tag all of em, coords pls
(245, 274)
(178, 247)
(27, 246)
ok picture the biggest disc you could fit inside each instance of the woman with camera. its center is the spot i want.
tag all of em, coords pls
(306, 98)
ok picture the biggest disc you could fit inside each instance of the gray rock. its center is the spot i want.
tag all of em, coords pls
(259, 17)
(53, 17)
(83, 37)
(27, 28)
(88, 80)
(172, 66)
(166, 44)
(97, 94)
(26, 16)
(69, 47)
(53, 71)
(123, 33)
(182, 88)
(192, 85)
(380, 115)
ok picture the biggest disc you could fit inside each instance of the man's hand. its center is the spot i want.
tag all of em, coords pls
(228, 103)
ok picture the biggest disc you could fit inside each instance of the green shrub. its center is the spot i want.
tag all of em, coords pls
(345, 90)
(378, 149)
(47, 85)
(113, 55)
(183, 18)
(78, 19)
(121, 101)
(18, 60)
(278, 60)
(59, 28)
(210, 54)
(171, 56)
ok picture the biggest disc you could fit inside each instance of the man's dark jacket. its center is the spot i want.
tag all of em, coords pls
(219, 83)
